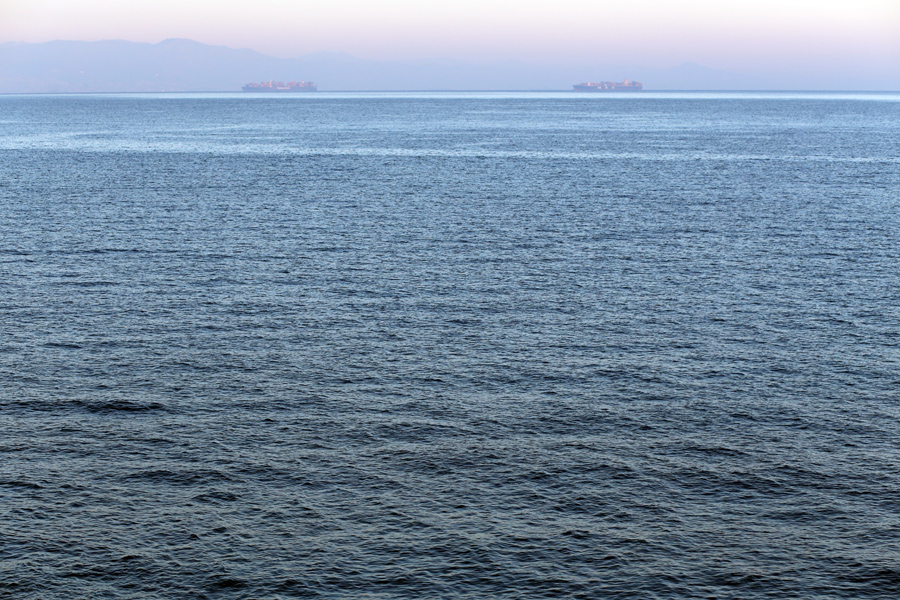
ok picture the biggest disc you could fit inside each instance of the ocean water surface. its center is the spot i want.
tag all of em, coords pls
(450, 346)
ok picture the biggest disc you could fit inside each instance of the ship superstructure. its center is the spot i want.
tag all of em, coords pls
(280, 86)
(609, 86)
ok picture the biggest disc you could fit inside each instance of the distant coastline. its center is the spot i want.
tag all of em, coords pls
(180, 65)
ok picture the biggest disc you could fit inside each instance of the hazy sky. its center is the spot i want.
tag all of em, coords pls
(727, 34)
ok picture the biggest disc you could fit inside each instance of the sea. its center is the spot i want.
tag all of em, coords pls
(450, 345)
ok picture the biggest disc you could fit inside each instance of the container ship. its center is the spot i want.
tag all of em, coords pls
(280, 86)
(609, 86)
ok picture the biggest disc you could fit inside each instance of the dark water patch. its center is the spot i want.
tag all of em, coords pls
(226, 583)
(187, 477)
(119, 406)
(215, 496)
(297, 588)
(63, 405)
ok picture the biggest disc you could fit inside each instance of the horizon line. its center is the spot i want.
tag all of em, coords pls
(455, 91)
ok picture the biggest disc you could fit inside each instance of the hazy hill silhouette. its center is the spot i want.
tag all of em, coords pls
(186, 65)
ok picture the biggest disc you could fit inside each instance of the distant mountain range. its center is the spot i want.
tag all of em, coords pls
(185, 65)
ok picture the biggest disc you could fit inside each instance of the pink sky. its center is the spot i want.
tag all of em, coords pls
(741, 35)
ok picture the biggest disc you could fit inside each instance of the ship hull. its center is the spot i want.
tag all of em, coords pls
(594, 90)
(260, 90)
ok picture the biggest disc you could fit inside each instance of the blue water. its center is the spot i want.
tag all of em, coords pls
(450, 346)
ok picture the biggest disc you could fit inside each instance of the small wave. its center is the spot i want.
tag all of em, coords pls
(18, 483)
(885, 579)
(69, 345)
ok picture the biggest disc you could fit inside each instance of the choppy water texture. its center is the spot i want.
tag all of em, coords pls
(458, 346)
